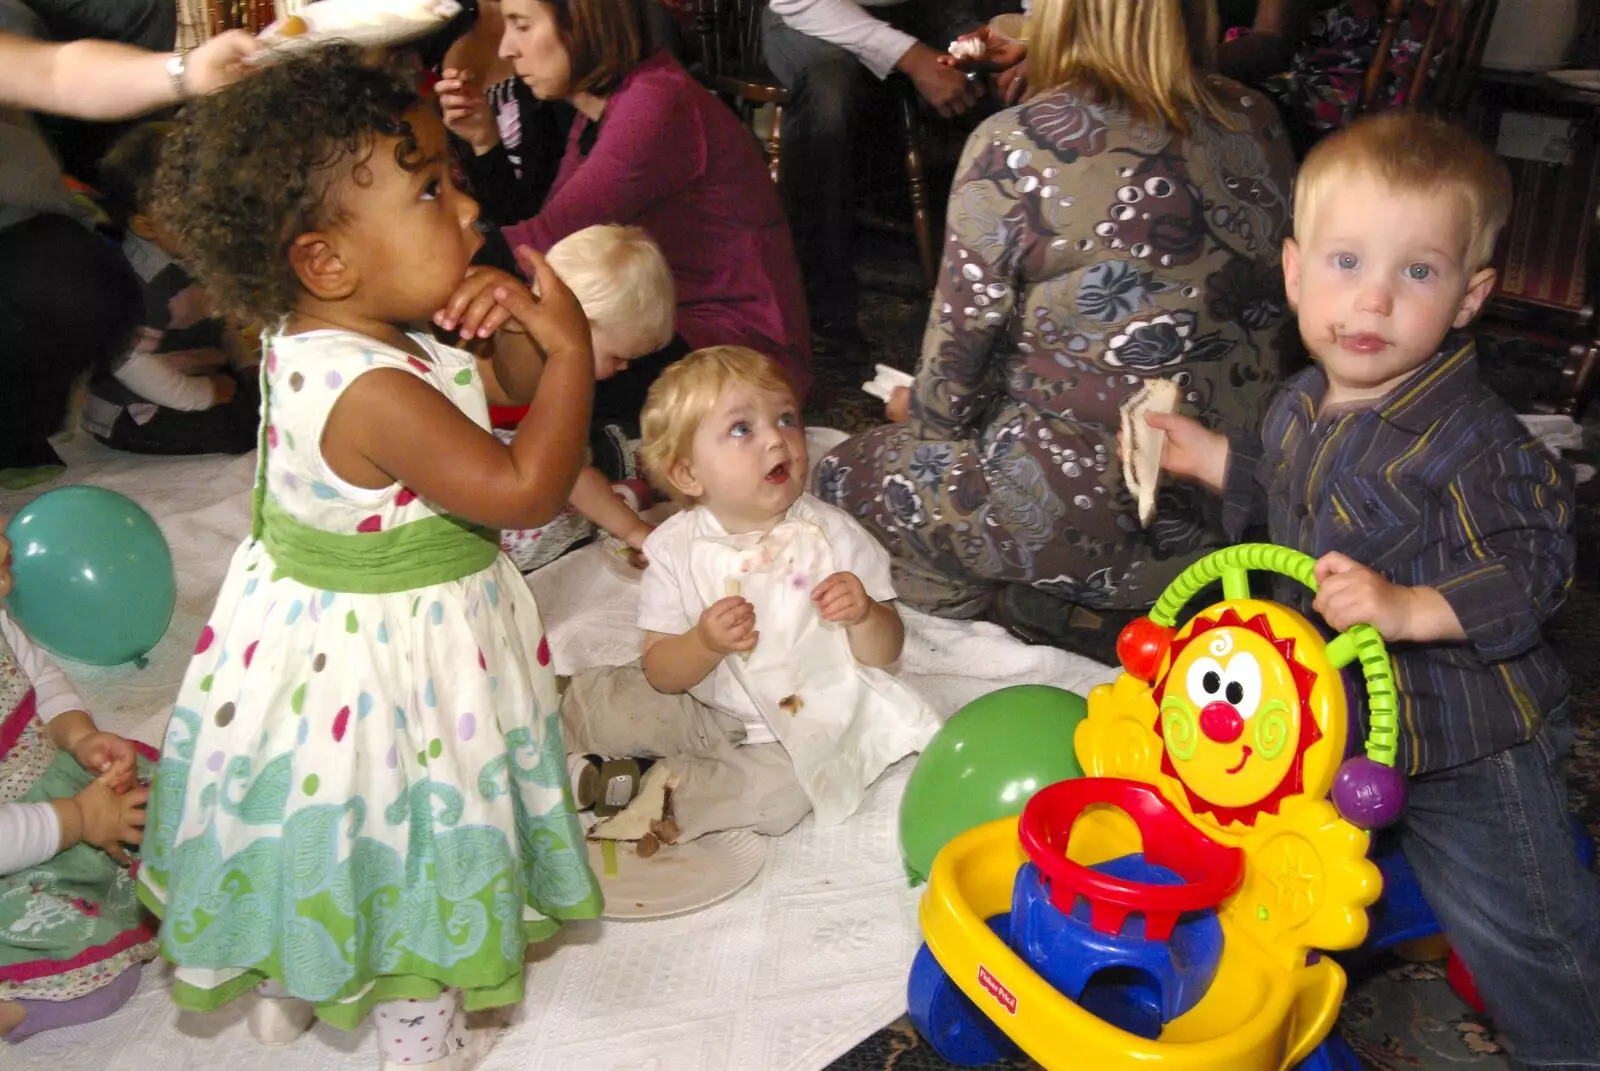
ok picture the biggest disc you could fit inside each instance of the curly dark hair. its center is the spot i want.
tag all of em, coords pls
(249, 169)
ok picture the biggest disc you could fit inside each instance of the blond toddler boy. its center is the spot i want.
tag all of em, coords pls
(1436, 518)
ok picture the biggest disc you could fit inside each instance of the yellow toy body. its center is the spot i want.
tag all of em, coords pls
(1255, 775)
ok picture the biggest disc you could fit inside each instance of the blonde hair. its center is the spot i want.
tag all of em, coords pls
(621, 279)
(1411, 153)
(685, 394)
(1148, 54)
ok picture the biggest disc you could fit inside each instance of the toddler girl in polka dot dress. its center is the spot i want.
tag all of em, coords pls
(360, 804)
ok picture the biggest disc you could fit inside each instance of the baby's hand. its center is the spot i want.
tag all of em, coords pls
(111, 819)
(1348, 593)
(842, 598)
(5, 566)
(108, 756)
(728, 625)
(483, 303)
(1192, 450)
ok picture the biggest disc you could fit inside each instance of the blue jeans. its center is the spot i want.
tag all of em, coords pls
(1491, 845)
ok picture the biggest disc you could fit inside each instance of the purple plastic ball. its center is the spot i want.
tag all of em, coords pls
(1368, 794)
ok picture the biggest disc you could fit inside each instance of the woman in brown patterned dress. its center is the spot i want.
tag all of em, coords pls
(1124, 224)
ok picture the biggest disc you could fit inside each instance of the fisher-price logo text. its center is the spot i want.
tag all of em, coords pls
(991, 985)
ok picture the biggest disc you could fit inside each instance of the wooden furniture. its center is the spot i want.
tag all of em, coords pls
(200, 20)
(1448, 62)
(727, 36)
(1549, 256)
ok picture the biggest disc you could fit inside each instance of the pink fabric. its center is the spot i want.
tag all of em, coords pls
(42, 968)
(671, 158)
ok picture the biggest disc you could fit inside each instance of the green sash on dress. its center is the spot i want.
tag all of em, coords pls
(417, 554)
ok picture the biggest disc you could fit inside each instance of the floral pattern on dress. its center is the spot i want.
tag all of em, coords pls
(1087, 250)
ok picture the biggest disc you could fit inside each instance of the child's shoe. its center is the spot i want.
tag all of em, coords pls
(606, 785)
(279, 1020)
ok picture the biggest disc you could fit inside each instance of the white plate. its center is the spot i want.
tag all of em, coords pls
(680, 877)
(365, 23)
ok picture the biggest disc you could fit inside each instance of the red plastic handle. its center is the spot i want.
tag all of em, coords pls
(1211, 871)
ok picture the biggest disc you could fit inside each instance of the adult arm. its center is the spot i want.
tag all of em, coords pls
(1279, 28)
(102, 80)
(874, 42)
(881, 49)
(954, 379)
(652, 145)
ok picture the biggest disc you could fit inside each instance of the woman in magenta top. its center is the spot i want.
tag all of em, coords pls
(651, 147)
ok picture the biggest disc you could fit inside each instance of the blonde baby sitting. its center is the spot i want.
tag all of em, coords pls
(767, 616)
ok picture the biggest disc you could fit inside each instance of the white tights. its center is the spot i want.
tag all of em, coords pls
(409, 1031)
(420, 1031)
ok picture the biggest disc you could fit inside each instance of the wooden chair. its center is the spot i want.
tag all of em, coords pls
(727, 35)
(1448, 63)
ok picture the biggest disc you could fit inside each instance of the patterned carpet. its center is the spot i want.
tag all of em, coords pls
(1397, 1015)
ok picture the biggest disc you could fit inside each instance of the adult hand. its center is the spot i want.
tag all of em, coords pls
(941, 85)
(999, 51)
(898, 407)
(219, 62)
(728, 625)
(1011, 84)
(466, 110)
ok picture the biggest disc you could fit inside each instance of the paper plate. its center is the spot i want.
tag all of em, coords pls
(680, 877)
(365, 23)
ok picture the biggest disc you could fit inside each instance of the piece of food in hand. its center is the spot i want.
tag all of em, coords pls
(1142, 444)
(648, 817)
(965, 48)
(886, 379)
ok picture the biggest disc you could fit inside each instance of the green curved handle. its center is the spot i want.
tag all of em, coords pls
(1358, 643)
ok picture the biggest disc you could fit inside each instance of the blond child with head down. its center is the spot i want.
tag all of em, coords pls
(767, 616)
(625, 287)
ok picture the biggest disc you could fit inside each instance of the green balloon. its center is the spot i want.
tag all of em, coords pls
(986, 763)
(93, 578)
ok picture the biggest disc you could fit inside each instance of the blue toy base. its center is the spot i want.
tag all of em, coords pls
(947, 1019)
(1125, 979)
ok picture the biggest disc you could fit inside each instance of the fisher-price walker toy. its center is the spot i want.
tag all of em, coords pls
(1164, 911)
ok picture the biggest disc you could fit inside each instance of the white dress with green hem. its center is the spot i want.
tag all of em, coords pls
(362, 791)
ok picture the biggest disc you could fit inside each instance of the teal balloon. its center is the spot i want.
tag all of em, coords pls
(92, 576)
(986, 763)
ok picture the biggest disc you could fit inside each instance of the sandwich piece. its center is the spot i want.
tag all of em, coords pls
(882, 384)
(1142, 444)
(647, 821)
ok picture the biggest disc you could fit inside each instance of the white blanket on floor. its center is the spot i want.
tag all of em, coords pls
(804, 963)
